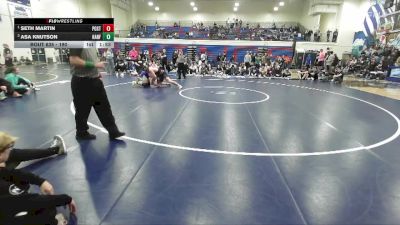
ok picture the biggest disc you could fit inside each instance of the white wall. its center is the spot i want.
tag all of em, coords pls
(121, 18)
(134, 12)
(254, 11)
(327, 22)
(97, 8)
(351, 18)
(309, 22)
(63, 8)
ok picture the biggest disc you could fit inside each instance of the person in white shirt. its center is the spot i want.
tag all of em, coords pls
(203, 57)
(247, 60)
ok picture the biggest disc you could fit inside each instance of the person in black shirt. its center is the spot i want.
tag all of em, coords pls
(328, 35)
(174, 57)
(164, 59)
(219, 56)
(335, 35)
(370, 67)
(17, 205)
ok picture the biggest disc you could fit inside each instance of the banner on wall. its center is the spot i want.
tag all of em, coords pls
(18, 11)
(22, 2)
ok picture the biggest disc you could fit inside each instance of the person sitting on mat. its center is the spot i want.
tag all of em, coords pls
(18, 83)
(17, 205)
(18, 155)
(7, 90)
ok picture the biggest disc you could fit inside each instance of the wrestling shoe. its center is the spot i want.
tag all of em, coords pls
(85, 136)
(59, 143)
(116, 135)
(2, 96)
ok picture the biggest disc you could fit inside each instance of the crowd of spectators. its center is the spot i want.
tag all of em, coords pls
(201, 64)
(374, 62)
(232, 29)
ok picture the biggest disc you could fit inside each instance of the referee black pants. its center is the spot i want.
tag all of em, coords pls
(181, 70)
(88, 93)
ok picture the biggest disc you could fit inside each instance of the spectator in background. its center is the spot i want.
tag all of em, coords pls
(330, 60)
(203, 57)
(164, 59)
(8, 55)
(224, 58)
(308, 61)
(321, 58)
(133, 54)
(18, 83)
(174, 57)
(109, 56)
(181, 65)
(328, 35)
(247, 60)
(372, 65)
(218, 59)
(335, 35)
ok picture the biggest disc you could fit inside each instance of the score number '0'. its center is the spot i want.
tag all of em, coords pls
(108, 27)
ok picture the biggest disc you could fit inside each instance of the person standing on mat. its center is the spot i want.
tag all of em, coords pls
(88, 91)
(181, 65)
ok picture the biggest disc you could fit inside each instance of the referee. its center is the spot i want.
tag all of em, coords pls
(88, 91)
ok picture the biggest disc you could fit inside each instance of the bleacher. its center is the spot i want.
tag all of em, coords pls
(208, 32)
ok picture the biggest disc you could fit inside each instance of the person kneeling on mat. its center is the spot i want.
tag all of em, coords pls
(142, 80)
(18, 83)
(17, 205)
(163, 76)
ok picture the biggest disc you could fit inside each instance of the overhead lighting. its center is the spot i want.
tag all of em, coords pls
(281, 3)
(150, 3)
(235, 9)
(236, 4)
(157, 8)
(195, 9)
(192, 3)
(276, 8)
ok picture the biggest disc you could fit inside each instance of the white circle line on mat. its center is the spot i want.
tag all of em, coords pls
(266, 96)
(261, 154)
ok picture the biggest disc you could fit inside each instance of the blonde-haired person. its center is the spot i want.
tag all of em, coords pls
(18, 155)
(17, 205)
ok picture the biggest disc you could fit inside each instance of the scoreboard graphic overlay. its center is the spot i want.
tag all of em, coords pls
(63, 32)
